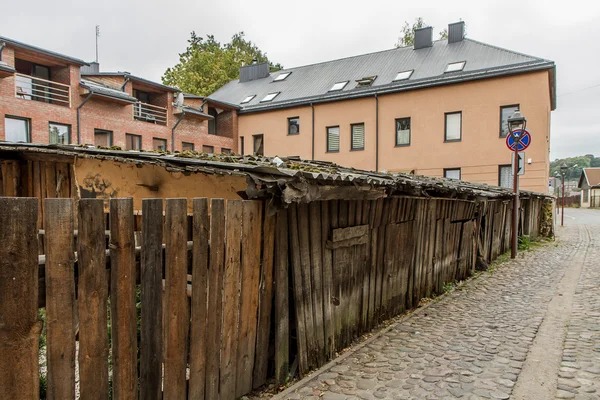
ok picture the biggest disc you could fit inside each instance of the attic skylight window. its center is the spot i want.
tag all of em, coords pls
(248, 99)
(365, 82)
(454, 67)
(281, 77)
(338, 86)
(269, 97)
(404, 75)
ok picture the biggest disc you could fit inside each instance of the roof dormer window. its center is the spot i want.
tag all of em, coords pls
(269, 97)
(338, 86)
(455, 67)
(365, 82)
(281, 77)
(248, 99)
(404, 75)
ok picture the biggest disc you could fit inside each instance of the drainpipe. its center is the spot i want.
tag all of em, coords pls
(127, 78)
(173, 131)
(79, 116)
(313, 131)
(2, 46)
(376, 133)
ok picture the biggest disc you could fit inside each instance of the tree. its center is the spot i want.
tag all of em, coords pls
(407, 38)
(206, 65)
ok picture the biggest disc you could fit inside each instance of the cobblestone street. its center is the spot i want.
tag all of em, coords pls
(478, 342)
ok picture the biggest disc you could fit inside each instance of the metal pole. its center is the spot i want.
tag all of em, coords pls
(515, 222)
(562, 214)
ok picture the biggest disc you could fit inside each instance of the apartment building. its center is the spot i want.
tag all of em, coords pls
(439, 108)
(46, 97)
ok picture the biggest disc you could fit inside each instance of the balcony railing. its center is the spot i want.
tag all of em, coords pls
(37, 89)
(150, 113)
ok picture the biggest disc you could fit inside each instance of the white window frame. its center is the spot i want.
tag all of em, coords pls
(248, 99)
(455, 66)
(453, 139)
(338, 86)
(452, 170)
(404, 75)
(282, 77)
(270, 97)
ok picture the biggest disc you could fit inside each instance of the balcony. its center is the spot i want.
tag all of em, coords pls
(30, 88)
(149, 113)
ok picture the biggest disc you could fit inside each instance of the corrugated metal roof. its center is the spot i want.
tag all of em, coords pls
(312, 82)
(133, 78)
(107, 91)
(18, 44)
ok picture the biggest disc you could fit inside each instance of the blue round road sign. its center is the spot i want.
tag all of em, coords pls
(524, 140)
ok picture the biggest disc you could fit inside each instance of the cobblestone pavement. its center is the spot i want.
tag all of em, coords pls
(472, 344)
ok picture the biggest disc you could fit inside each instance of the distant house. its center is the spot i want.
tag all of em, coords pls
(589, 183)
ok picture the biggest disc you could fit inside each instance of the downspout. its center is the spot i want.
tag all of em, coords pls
(79, 116)
(376, 133)
(173, 131)
(313, 131)
(2, 46)
(127, 78)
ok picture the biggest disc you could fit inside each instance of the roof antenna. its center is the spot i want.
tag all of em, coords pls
(97, 36)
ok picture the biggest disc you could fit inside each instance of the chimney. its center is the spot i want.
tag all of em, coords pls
(423, 38)
(91, 69)
(254, 71)
(456, 32)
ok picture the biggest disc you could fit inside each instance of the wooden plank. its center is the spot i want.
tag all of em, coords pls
(381, 240)
(92, 301)
(366, 269)
(388, 265)
(19, 324)
(351, 212)
(43, 193)
(63, 183)
(11, 178)
(199, 303)
(251, 231)
(60, 298)
(50, 171)
(265, 301)
(347, 243)
(350, 233)
(316, 274)
(122, 300)
(282, 327)
(151, 344)
(231, 298)
(335, 284)
(302, 297)
(328, 314)
(215, 300)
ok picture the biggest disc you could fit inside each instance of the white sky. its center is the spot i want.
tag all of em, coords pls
(144, 37)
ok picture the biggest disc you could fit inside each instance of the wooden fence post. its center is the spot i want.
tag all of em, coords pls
(19, 324)
(282, 318)
(60, 296)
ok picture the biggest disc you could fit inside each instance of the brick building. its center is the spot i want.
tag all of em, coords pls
(46, 97)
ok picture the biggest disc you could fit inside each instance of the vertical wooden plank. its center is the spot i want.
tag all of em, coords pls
(302, 298)
(251, 231)
(373, 277)
(317, 277)
(60, 296)
(199, 317)
(231, 299)
(63, 186)
(50, 171)
(366, 269)
(122, 299)
(264, 303)
(328, 314)
(20, 327)
(335, 279)
(92, 301)
(215, 299)
(282, 330)
(11, 177)
(151, 298)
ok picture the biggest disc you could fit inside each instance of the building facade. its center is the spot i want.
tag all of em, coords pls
(46, 97)
(437, 109)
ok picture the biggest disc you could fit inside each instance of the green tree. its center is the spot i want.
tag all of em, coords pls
(206, 65)
(573, 173)
(407, 37)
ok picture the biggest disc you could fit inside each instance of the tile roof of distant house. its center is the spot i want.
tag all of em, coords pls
(312, 83)
(25, 46)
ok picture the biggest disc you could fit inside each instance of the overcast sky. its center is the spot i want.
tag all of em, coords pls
(144, 37)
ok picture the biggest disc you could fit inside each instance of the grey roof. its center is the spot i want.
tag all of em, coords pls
(133, 78)
(195, 111)
(6, 67)
(311, 83)
(25, 46)
(106, 91)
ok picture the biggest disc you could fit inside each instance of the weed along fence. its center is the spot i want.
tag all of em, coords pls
(202, 276)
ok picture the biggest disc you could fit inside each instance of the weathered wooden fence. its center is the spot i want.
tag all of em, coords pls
(209, 305)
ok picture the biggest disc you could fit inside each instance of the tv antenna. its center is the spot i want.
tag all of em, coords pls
(97, 36)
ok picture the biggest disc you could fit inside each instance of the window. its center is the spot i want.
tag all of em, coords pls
(358, 136)
(142, 96)
(59, 133)
(159, 144)
(452, 173)
(208, 149)
(365, 82)
(133, 142)
(453, 126)
(187, 146)
(454, 67)
(338, 86)
(259, 145)
(333, 139)
(293, 126)
(103, 138)
(248, 99)
(241, 145)
(225, 150)
(212, 123)
(505, 113)
(17, 129)
(505, 176)
(404, 75)
(269, 97)
(586, 195)
(402, 131)
(281, 77)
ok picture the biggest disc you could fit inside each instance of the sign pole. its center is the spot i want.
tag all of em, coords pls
(515, 221)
